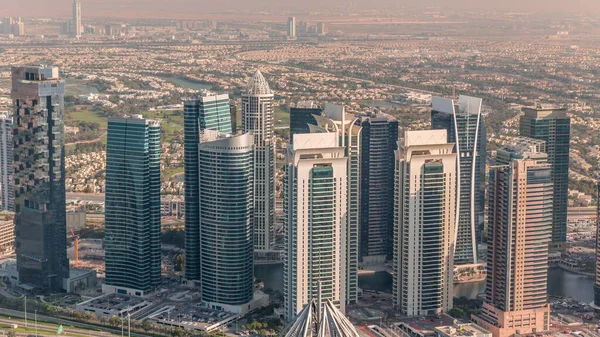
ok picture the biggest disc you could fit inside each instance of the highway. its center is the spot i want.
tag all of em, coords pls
(93, 332)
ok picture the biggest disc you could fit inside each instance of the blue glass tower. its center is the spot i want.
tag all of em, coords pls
(132, 206)
(211, 112)
(226, 213)
(465, 127)
(379, 138)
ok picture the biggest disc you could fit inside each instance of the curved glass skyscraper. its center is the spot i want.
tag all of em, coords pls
(226, 215)
(205, 111)
(465, 127)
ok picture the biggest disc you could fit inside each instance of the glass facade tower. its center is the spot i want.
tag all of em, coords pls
(226, 213)
(211, 112)
(553, 126)
(379, 139)
(132, 199)
(39, 177)
(465, 127)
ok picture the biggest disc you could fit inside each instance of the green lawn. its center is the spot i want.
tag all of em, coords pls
(88, 116)
(282, 117)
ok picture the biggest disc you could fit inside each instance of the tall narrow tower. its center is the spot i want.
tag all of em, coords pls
(553, 126)
(132, 206)
(7, 183)
(77, 28)
(258, 118)
(226, 205)
(520, 207)
(425, 223)
(316, 211)
(203, 112)
(39, 176)
(465, 127)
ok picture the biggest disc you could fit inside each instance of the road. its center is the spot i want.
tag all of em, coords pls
(94, 332)
(95, 140)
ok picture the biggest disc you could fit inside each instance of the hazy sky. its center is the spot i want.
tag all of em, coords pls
(176, 8)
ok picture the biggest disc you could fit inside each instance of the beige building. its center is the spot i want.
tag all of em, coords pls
(315, 228)
(425, 223)
(520, 228)
(7, 235)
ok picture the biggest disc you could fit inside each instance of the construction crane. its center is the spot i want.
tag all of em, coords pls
(75, 239)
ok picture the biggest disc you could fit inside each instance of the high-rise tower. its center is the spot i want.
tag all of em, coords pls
(316, 211)
(258, 118)
(465, 127)
(520, 215)
(335, 120)
(132, 206)
(7, 182)
(291, 26)
(425, 223)
(379, 140)
(226, 214)
(596, 302)
(203, 112)
(39, 177)
(76, 21)
(553, 126)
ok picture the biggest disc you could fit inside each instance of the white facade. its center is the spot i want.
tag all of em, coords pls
(425, 223)
(77, 27)
(258, 118)
(7, 195)
(291, 33)
(348, 133)
(315, 227)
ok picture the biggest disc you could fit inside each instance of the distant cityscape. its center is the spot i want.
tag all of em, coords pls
(312, 174)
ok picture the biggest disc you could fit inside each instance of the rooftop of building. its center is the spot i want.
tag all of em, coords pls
(463, 330)
(424, 326)
(190, 316)
(524, 145)
(258, 85)
(113, 302)
(464, 105)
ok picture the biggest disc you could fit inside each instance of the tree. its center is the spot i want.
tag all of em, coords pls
(456, 312)
(12, 333)
(146, 325)
(179, 262)
(114, 321)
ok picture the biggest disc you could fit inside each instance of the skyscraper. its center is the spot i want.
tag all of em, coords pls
(76, 22)
(39, 177)
(315, 239)
(596, 302)
(202, 112)
(335, 120)
(258, 118)
(520, 215)
(379, 140)
(291, 26)
(553, 126)
(465, 127)
(226, 213)
(301, 116)
(132, 206)
(7, 183)
(425, 223)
